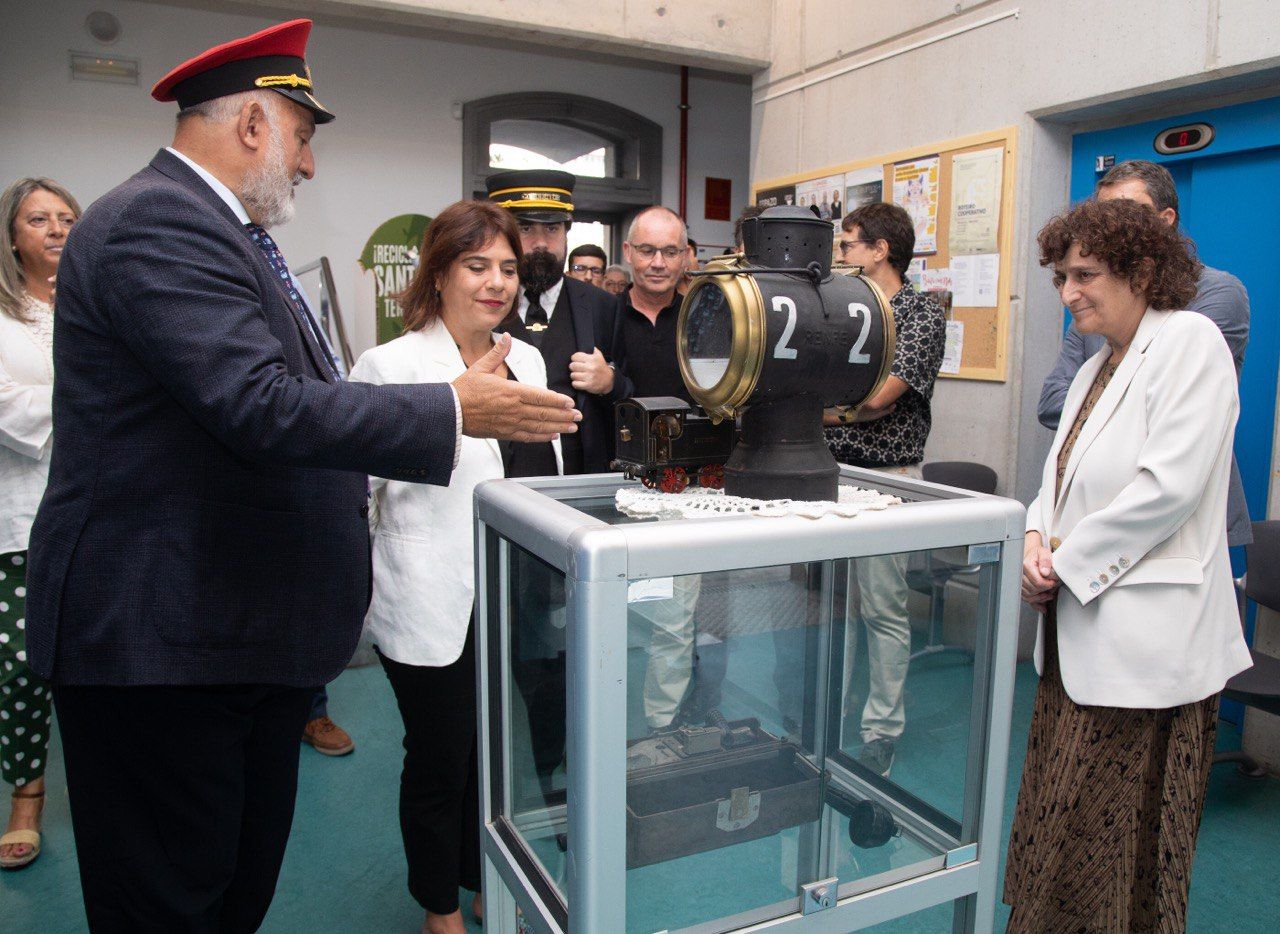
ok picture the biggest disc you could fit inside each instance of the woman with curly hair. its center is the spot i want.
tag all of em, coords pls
(1126, 560)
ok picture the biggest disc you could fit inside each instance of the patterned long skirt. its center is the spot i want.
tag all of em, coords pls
(1108, 812)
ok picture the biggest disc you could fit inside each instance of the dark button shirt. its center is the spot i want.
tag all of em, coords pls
(897, 439)
(651, 351)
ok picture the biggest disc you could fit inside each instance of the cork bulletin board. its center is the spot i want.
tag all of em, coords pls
(984, 348)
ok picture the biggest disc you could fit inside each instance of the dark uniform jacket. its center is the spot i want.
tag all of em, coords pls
(593, 313)
(205, 518)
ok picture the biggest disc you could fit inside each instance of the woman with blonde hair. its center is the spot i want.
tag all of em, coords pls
(37, 214)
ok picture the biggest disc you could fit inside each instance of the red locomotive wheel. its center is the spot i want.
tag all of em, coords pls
(711, 477)
(673, 480)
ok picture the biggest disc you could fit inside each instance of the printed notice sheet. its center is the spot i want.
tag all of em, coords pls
(823, 196)
(954, 349)
(975, 201)
(863, 187)
(974, 280)
(915, 188)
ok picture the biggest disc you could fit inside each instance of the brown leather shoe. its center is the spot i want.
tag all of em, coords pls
(327, 738)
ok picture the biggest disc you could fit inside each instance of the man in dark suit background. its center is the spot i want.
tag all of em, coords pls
(1220, 297)
(569, 321)
(200, 561)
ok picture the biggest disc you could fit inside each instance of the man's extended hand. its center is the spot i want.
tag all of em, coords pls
(496, 407)
(590, 372)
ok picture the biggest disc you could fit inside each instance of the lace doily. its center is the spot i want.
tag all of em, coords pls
(641, 503)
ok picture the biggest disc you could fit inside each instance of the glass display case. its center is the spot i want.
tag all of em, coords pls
(706, 725)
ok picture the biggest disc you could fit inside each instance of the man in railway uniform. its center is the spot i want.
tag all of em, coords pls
(569, 321)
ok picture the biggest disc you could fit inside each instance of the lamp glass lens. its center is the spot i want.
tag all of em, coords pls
(708, 336)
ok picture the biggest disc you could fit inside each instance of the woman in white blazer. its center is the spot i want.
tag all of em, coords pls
(37, 214)
(420, 617)
(1126, 559)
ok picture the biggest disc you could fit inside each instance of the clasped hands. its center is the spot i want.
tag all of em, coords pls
(496, 407)
(1039, 582)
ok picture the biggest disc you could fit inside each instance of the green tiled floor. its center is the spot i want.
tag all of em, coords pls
(344, 870)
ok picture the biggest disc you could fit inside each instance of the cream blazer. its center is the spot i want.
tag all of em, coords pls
(1147, 613)
(26, 427)
(423, 535)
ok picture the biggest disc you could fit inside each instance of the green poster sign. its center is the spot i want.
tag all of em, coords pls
(391, 254)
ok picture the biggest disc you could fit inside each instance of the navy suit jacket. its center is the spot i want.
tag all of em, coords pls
(205, 518)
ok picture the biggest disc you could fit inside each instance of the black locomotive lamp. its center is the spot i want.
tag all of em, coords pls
(773, 336)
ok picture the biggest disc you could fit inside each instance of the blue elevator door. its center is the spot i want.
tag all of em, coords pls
(1233, 214)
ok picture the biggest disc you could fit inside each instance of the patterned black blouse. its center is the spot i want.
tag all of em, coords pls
(898, 438)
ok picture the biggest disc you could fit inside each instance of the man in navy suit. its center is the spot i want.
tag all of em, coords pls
(200, 561)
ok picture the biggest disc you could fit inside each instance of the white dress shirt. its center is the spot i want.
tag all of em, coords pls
(26, 420)
(547, 300)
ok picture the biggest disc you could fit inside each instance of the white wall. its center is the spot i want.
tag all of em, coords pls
(395, 146)
(1052, 57)
(728, 37)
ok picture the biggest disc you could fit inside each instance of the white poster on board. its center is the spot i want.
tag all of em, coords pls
(975, 201)
(823, 196)
(974, 280)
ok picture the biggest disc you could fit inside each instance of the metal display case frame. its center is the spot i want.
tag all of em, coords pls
(599, 561)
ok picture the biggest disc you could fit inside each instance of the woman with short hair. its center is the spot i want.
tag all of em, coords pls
(1126, 560)
(421, 615)
(37, 214)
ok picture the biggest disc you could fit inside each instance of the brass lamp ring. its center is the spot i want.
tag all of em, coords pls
(746, 356)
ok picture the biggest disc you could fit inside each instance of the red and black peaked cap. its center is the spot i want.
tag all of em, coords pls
(273, 59)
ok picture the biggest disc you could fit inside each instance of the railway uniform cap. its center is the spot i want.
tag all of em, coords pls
(544, 196)
(273, 59)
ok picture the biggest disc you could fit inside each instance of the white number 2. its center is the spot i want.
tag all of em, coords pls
(782, 351)
(856, 355)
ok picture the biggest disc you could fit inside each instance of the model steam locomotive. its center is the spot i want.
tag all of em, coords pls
(664, 442)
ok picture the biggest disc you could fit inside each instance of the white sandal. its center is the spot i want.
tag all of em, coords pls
(19, 837)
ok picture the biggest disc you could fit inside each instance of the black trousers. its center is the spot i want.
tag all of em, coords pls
(440, 783)
(181, 801)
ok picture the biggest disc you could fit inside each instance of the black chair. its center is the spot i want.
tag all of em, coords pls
(948, 564)
(1260, 685)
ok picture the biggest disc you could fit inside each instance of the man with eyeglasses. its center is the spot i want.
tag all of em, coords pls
(657, 249)
(587, 264)
(617, 279)
(1220, 297)
(569, 321)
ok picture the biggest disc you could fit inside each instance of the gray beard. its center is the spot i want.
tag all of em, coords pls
(267, 188)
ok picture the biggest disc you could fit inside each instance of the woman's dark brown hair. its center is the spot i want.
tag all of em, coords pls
(462, 227)
(1133, 242)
